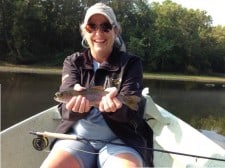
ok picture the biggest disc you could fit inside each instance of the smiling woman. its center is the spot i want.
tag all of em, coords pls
(101, 31)
(100, 36)
(104, 63)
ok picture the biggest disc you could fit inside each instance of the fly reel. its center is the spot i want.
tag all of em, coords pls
(40, 143)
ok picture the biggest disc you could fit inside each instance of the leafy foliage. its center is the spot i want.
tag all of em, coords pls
(167, 36)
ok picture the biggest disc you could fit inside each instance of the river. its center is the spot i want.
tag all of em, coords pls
(200, 104)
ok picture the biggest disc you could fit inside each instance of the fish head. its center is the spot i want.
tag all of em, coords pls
(62, 97)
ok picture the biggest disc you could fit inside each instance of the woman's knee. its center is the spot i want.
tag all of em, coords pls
(124, 160)
(60, 159)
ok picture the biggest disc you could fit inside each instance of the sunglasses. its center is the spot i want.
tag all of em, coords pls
(104, 27)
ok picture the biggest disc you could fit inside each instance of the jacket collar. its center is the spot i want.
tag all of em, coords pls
(112, 64)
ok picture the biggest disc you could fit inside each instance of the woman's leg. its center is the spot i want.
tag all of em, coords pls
(123, 160)
(70, 154)
(119, 156)
(60, 159)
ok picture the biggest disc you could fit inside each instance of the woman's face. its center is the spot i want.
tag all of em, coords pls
(100, 35)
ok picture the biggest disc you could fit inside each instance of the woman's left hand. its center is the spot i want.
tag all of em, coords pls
(109, 102)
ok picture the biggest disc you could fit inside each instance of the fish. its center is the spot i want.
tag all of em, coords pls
(94, 95)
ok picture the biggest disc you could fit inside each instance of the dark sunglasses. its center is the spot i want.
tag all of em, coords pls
(104, 27)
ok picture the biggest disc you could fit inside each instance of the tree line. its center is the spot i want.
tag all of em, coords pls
(167, 36)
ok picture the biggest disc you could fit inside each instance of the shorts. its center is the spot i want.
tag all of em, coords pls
(92, 154)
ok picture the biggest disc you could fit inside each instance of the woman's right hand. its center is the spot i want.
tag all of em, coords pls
(78, 103)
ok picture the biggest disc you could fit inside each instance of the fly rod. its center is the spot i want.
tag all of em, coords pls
(41, 142)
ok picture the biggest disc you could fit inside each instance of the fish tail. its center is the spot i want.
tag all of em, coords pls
(132, 101)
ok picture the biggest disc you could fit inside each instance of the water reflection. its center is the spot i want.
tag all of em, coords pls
(201, 106)
(24, 95)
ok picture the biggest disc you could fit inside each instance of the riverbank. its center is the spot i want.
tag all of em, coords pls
(29, 69)
(155, 76)
(191, 78)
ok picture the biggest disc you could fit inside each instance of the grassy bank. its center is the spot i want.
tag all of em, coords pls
(179, 77)
(57, 71)
(30, 69)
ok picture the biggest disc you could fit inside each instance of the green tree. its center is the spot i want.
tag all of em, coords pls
(6, 21)
(167, 36)
(216, 53)
(177, 40)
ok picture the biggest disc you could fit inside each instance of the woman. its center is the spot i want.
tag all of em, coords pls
(113, 123)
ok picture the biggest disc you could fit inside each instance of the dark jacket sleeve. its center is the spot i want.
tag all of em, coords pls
(132, 84)
(70, 76)
(70, 73)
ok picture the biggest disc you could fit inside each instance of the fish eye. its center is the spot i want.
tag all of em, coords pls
(58, 94)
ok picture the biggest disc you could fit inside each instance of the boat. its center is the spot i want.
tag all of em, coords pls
(176, 143)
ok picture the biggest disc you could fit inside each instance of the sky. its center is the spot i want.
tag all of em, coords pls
(214, 8)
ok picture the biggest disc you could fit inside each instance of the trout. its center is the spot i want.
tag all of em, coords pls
(94, 95)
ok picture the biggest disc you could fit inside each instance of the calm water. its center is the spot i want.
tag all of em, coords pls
(23, 95)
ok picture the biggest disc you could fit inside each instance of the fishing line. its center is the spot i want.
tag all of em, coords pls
(158, 150)
(93, 153)
(146, 148)
(74, 137)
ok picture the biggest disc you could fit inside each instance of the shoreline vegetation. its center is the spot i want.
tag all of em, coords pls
(155, 76)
